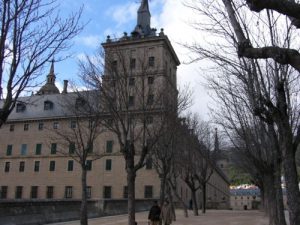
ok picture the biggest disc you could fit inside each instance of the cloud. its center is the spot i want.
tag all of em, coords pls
(123, 14)
(91, 41)
(178, 29)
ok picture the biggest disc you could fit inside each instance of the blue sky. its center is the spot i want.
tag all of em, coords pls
(113, 17)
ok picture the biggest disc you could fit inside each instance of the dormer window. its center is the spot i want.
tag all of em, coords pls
(48, 105)
(20, 107)
(80, 102)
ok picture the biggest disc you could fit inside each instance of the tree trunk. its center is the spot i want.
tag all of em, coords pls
(83, 207)
(194, 201)
(131, 175)
(185, 209)
(292, 188)
(162, 188)
(203, 197)
(279, 195)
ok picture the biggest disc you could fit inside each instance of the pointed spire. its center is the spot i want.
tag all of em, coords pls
(52, 67)
(51, 76)
(217, 147)
(143, 19)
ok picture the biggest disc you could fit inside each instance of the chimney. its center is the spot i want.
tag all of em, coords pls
(65, 90)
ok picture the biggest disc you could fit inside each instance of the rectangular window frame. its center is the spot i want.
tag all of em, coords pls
(26, 126)
(9, 149)
(50, 192)
(108, 165)
(23, 149)
(38, 149)
(107, 192)
(109, 146)
(41, 126)
(19, 192)
(148, 192)
(52, 166)
(22, 166)
(70, 165)
(37, 165)
(7, 167)
(53, 148)
(3, 192)
(34, 192)
(68, 192)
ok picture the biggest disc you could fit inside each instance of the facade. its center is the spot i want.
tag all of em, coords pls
(31, 166)
(245, 199)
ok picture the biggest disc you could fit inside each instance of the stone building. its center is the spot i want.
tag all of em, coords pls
(31, 166)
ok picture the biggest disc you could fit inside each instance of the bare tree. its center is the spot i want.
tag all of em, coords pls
(78, 136)
(135, 105)
(268, 85)
(283, 55)
(32, 33)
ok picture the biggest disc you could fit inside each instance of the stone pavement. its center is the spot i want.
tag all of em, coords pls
(212, 217)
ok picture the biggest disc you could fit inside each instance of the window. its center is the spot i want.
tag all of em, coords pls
(108, 164)
(80, 102)
(88, 165)
(50, 191)
(150, 80)
(48, 105)
(55, 125)
(9, 150)
(151, 61)
(131, 101)
(3, 192)
(114, 65)
(36, 166)
(149, 120)
(70, 165)
(41, 126)
(68, 191)
(26, 127)
(52, 166)
(53, 148)
(7, 167)
(72, 148)
(150, 99)
(11, 127)
(125, 192)
(149, 163)
(38, 149)
(34, 192)
(109, 146)
(90, 147)
(88, 191)
(19, 190)
(23, 149)
(132, 63)
(107, 192)
(148, 191)
(20, 107)
(73, 124)
(131, 81)
(22, 166)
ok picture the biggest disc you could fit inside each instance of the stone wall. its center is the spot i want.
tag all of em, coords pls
(42, 212)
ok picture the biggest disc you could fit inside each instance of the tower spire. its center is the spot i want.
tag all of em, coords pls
(143, 26)
(51, 76)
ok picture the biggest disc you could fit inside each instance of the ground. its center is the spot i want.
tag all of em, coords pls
(212, 217)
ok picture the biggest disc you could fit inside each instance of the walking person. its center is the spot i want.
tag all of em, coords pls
(154, 214)
(167, 214)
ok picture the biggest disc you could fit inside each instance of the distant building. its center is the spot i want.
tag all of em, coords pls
(245, 199)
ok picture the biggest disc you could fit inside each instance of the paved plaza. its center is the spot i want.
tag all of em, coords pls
(212, 217)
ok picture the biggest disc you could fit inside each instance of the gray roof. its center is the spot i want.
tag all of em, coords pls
(34, 107)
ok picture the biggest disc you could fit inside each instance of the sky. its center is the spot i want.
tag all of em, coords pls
(114, 17)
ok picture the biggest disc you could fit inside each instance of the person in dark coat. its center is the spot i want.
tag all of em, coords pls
(154, 214)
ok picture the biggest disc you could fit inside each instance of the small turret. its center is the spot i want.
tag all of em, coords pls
(49, 87)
